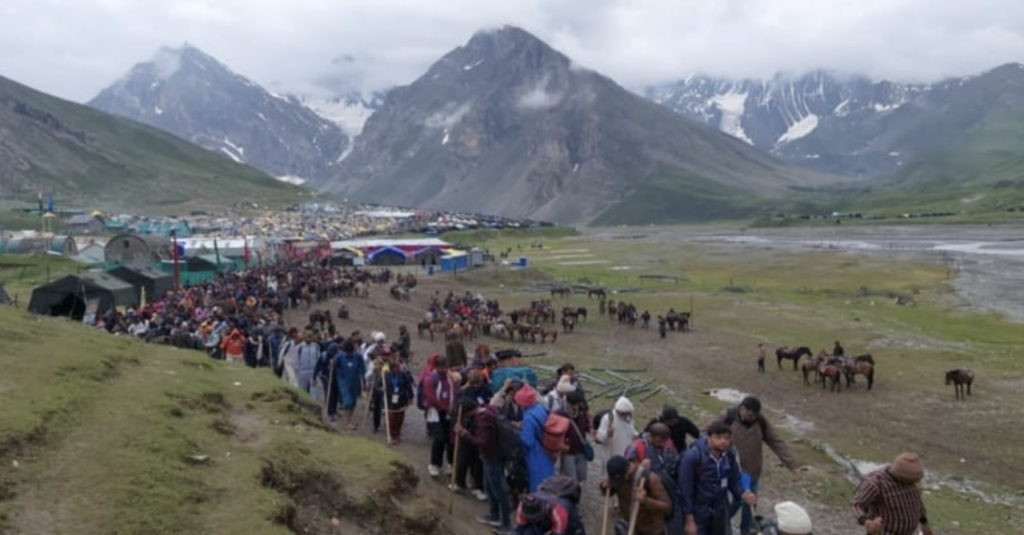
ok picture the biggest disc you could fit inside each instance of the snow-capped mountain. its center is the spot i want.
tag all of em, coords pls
(192, 95)
(849, 125)
(507, 125)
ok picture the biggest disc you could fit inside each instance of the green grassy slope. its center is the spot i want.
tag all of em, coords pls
(95, 159)
(105, 435)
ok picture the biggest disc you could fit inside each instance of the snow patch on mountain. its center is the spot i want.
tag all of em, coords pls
(348, 115)
(799, 129)
(231, 154)
(731, 106)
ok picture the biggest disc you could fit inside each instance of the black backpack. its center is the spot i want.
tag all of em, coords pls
(508, 440)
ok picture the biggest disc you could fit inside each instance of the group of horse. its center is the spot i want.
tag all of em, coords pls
(566, 291)
(831, 369)
(828, 369)
(402, 289)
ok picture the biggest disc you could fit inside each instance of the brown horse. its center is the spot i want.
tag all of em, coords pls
(960, 378)
(832, 374)
(810, 366)
(563, 291)
(793, 353)
(599, 292)
(861, 364)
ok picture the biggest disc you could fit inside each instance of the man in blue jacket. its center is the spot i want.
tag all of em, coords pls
(708, 473)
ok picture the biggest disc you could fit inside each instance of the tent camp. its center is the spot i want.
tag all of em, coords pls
(141, 276)
(77, 296)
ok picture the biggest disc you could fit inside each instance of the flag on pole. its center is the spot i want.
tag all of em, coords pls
(216, 251)
(245, 254)
(174, 252)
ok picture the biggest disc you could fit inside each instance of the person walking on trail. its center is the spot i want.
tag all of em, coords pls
(376, 386)
(544, 514)
(790, 519)
(750, 431)
(679, 427)
(709, 473)
(349, 369)
(486, 439)
(616, 431)
(837, 350)
(888, 501)
(762, 353)
(400, 394)
(539, 464)
(306, 357)
(288, 357)
(641, 494)
(656, 448)
(574, 461)
(440, 394)
(467, 459)
(662, 326)
(455, 352)
(404, 343)
(234, 346)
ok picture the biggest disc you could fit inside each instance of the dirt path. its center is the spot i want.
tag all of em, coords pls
(691, 364)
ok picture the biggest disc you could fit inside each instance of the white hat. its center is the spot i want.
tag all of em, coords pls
(624, 405)
(792, 519)
(378, 336)
(565, 385)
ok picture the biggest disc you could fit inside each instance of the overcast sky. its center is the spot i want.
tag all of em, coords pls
(74, 48)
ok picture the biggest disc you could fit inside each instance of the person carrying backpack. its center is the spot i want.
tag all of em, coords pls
(486, 438)
(551, 510)
(440, 393)
(643, 499)
(539, 464)
(657, 451)
(708, 473)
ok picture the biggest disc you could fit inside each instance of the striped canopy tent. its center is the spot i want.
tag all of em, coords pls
(387, 255)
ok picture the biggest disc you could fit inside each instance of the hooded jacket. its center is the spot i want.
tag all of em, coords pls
(705, 482)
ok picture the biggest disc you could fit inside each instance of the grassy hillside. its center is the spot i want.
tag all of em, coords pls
(105, 435)
(93, 159)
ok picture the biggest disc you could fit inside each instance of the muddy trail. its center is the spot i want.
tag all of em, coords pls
(689, 365)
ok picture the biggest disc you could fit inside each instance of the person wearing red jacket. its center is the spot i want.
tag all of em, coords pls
(439, 392)
(234, 346)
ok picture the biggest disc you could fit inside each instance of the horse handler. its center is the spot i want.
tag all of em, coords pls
(888, 501)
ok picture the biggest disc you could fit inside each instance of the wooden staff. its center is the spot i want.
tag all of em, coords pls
(636, 505)
(455, 458)
(384, 396)
(327, 390)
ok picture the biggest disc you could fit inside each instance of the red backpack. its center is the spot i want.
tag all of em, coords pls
(556, 430)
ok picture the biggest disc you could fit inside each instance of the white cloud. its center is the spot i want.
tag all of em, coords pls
(75, 48)
(448, 117)
(538, 97)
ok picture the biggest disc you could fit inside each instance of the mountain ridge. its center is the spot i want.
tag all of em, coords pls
(511, 125)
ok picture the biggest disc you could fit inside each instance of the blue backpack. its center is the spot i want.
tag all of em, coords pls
(524, 374)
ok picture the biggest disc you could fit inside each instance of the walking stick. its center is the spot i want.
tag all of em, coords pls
(636, 507)
(384, 396)
(327, 390)
(607, 507)
(455, 457)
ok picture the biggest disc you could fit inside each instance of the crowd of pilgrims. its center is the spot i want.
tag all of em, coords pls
(495, 432)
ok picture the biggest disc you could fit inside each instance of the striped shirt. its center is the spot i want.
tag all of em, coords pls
(900, 505)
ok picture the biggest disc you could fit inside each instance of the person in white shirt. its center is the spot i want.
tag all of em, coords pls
(616, 432)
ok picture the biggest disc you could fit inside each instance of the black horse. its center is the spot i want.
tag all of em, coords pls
(960, 378)
(793, 353)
